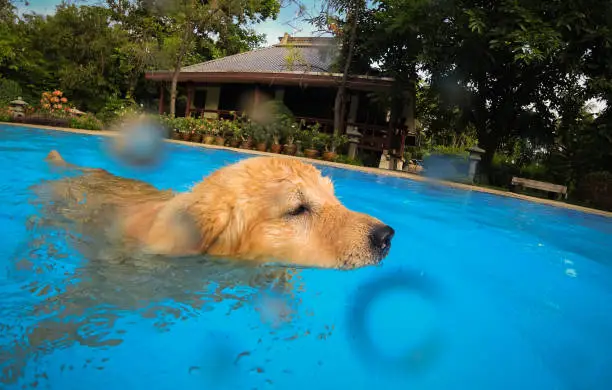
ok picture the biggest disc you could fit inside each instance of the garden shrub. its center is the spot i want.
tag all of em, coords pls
(501, 170)
(344, 159)
(9, 90)
(535, 171)
(86, 122)
(5, 115)
(415, 152)
(450, 151)
(116, 108)
(595, 189)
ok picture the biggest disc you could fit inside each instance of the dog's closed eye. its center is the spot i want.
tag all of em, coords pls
(299, 210)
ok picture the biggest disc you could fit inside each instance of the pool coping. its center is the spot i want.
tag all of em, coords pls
(370, 170)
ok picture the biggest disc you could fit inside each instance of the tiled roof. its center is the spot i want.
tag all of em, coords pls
(278, 58)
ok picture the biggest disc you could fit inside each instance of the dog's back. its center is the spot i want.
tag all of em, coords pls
(87, 201)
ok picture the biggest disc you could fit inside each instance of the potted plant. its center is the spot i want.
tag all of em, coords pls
(198, 135)
(184, 128)
(228, 129)
(260, 136)
(332, 143)
(210, 132)
(174, 127)
(189, 128)
(312, 141)
(197, 128)
(275, 133)
(222, 126)
(290, 131)
(246, 136)
(236, 137)
(302, 139)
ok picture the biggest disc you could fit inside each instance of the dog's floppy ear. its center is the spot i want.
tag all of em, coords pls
(212, 216)
(185, 225)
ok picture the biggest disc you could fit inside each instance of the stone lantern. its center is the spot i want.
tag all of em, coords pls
(17, 107)
(354, 137)
(474, 157)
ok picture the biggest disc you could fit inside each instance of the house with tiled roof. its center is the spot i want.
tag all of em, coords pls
(298, 71)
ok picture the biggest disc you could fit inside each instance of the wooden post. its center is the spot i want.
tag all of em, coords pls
(403, 142)
(256, 98)
(161, 98)
(190, 92)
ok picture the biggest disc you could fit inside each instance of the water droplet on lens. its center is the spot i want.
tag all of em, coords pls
(139, 142)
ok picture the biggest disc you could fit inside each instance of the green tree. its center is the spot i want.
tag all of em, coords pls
(72, 50)
(192, 21)
(498, 65)
(330, 19)
(8, 37)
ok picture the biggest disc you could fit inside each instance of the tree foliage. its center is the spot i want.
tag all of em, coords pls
(98, 54)
(518, 72)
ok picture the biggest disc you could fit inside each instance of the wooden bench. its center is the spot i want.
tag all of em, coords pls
(539, 185)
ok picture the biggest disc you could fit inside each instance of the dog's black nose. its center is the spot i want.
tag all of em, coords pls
(380, 236)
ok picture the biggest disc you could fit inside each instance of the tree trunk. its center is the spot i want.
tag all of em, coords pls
(340, 102)
(396, 108)
(188, 34)
(175, 75)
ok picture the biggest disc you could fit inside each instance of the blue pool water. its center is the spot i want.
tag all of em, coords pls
(478, 292)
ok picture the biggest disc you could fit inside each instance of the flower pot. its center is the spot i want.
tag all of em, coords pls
(176, 135)
(262, 147)
(311, 153)
(245, 145)
(275, 148)
(219, 141)
(234, 143)
(208, 139)
(290, 149)
(196, 138)
(329, 156)
(187, 136)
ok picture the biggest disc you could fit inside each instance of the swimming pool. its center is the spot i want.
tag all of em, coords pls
(506, 294)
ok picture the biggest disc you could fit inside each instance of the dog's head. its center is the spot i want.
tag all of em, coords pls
(279, 209)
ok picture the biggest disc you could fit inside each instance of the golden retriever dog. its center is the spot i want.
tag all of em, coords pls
(146, 248)
(261, 209)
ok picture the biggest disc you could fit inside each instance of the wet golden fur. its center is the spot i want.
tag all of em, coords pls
(259, 209)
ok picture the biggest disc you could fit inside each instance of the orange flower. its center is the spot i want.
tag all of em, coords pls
(64, 100)
(46, 105)
(59, 106)
(57, 93)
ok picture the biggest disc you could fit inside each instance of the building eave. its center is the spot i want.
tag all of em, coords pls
(320, 79)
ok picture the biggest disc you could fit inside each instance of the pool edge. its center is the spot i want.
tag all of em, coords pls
(375, 171)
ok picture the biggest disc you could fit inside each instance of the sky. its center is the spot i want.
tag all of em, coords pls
(286, 21)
